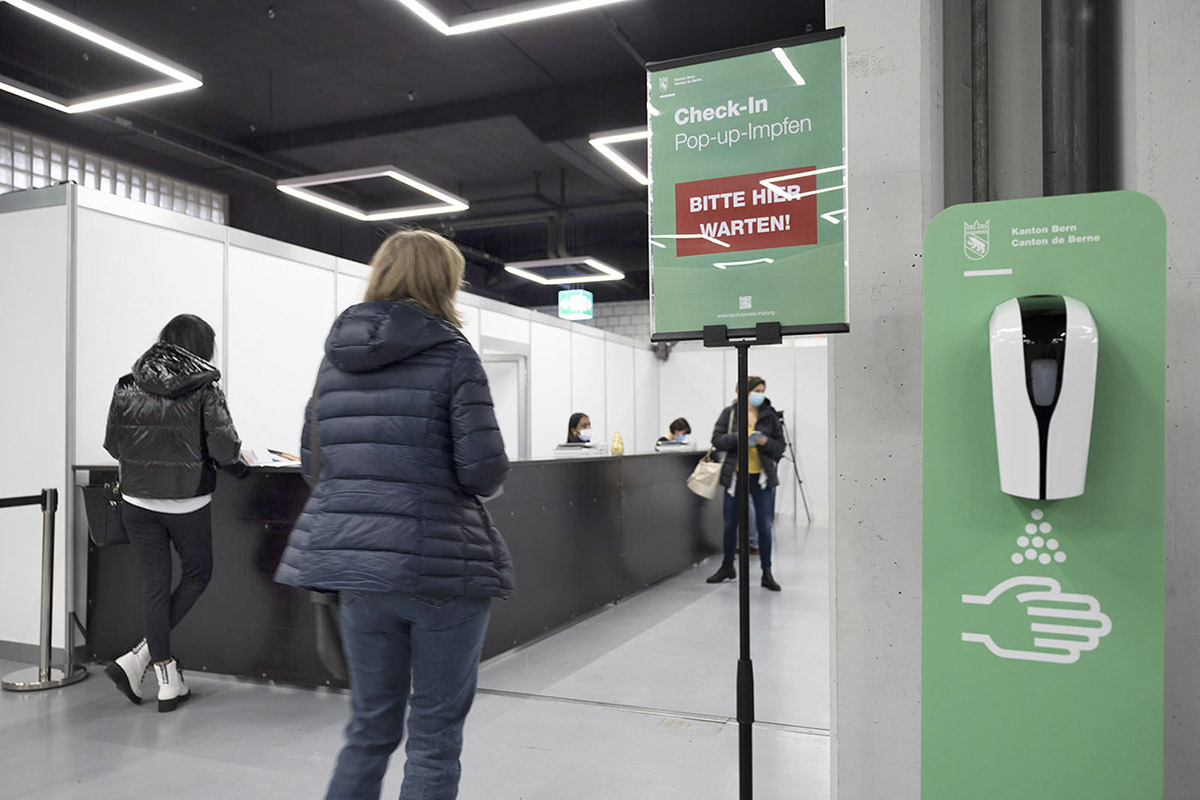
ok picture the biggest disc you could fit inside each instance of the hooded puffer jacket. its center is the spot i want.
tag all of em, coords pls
(408, 442)
(168, 424)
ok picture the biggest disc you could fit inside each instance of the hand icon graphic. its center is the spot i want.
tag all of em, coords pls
(1074, 622)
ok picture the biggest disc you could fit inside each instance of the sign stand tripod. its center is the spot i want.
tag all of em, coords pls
(787, 437)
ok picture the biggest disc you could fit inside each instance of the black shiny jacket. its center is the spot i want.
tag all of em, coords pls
(168, 425)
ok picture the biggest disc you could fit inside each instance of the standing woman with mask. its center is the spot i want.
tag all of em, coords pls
(579, 429)
(168, 426)
(767, 445)
(395, 525)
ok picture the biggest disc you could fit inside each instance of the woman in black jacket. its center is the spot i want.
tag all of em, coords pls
(409, 447)
(167, 426)
(767, 446)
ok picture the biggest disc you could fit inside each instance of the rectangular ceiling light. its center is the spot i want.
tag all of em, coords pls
(604, 141)
(177, 78)
(529, 270)
(508, 15)
(297, 187)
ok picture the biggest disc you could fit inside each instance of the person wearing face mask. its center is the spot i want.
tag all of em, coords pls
(678, 431)
(766, 447)
(579, 429)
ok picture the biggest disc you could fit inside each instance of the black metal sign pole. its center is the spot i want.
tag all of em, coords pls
(745, 672)
(718, 336)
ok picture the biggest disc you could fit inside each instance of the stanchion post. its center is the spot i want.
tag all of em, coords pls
(43, 676)
(49, 507)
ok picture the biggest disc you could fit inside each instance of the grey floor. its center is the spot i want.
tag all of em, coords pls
(633, 703)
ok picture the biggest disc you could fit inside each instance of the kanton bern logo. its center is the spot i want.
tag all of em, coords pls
(975, 239)
(662, 83)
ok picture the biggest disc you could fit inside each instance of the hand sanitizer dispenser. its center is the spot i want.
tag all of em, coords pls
(1043, 350)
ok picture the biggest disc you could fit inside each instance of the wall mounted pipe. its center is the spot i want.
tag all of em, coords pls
(980, 157)
(1070, 97)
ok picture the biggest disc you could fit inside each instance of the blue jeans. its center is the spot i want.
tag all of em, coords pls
(404, 650)
(763, 503)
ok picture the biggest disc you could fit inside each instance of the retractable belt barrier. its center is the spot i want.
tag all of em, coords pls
(42, 676)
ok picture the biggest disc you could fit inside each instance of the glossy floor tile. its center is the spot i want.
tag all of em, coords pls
(633, 702)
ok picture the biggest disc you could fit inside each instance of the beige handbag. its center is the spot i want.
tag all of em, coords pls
(705, 479)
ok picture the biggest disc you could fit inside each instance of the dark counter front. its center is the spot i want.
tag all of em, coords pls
(583, 533)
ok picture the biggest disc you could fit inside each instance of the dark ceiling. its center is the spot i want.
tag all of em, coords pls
(499, 117)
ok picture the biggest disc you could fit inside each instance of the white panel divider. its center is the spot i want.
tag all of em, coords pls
(550, 387)
(34, 269)
(586, 368)
(131, 279)
(280, 313)
(620, 404)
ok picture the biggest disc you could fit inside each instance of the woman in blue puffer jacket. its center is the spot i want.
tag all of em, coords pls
(409, 445)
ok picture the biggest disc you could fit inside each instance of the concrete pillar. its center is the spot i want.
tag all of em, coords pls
(895, 152)
(1158, 116)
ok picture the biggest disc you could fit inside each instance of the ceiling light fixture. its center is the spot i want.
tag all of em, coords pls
(788, 65)
(511, 15)
(297, 187)
(603, 271)
(602, 142)
(178, 79)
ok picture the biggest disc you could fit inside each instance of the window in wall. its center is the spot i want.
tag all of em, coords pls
(31, 162)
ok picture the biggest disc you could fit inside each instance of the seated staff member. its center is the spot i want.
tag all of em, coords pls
(766, 447)
(677, 432)
(579, 429)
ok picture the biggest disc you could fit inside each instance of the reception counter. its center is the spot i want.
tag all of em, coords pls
(583, 533)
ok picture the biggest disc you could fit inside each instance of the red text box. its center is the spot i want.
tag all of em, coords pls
(746, 215)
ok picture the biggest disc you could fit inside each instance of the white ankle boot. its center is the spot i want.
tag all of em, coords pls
(128, 670)
(172, 690)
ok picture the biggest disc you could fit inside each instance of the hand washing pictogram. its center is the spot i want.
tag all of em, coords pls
(1063, 624)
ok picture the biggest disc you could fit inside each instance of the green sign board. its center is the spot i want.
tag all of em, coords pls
(748, 189)
(1042, 619)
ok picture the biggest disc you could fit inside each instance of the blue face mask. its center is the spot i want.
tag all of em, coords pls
(681, 437)
(756, 398)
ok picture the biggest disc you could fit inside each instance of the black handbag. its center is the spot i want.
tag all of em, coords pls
(102, 504)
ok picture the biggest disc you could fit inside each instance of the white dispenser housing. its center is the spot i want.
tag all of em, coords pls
(1043, 352)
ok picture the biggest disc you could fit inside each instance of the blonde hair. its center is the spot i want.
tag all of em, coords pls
(421, 267)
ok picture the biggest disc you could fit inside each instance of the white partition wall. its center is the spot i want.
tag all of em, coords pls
(34, 296)
(468, 309)
(351, 284)
(550, 386)
(620, 404)
(586, 368)
(131, 279)
(692, 384)
(280, 312)
(645, 397)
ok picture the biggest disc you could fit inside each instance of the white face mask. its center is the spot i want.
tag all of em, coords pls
(585, 435)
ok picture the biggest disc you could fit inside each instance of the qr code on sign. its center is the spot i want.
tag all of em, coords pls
(744, 302)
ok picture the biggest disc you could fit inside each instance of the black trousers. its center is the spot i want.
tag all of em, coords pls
(151, 535)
